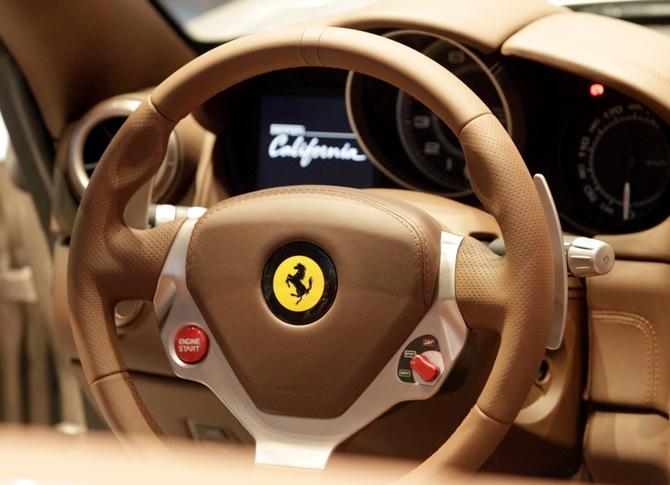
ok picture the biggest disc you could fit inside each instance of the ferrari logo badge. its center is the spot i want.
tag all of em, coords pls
(299, 283)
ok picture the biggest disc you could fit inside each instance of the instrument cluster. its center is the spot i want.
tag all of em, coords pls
(606, 156)
(616, 165)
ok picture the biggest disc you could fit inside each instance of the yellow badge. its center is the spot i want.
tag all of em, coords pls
(298, 283)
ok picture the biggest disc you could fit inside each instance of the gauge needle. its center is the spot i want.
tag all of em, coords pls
(626, 200)
(630, 164)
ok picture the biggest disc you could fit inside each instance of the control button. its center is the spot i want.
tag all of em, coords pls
(422, 365)
(191, 344)
(430, 348)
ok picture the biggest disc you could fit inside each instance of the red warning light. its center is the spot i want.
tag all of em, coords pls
(596, 89)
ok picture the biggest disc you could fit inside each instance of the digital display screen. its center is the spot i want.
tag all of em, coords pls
(308, 140)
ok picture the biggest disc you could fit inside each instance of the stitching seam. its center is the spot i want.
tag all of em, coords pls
(647, 329)
(318, 47)
(302, 51)
(465, 125)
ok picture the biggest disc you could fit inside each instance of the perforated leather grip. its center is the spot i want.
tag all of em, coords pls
(512, 294)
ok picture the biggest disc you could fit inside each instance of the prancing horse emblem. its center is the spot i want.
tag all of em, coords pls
(297, 281)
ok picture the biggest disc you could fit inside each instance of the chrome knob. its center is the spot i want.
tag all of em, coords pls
(588, 257)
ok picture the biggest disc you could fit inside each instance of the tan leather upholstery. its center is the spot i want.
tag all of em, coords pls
(108, 261)
(484, 25)
(630, 336)
(504, 294)
(455, 217)
(37, 456)
(112, 393)
(144, 137)
(627, 448)
(112, 258)
(466, 449)
(75, 54)
(652, 244)
(507, 292)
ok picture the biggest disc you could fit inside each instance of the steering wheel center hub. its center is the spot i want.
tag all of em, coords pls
(299, 283)
(304, 339)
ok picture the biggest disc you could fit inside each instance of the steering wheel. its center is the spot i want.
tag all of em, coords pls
(311, 310)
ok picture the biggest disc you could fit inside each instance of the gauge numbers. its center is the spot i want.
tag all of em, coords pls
(429, 143)
(623, 163)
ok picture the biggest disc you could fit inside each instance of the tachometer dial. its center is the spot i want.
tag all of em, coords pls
(623, 164)
(429, 143)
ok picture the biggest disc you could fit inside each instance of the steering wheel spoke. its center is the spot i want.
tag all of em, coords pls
(134, 262)
(480, 295)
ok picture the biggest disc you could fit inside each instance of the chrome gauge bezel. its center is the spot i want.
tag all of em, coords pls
(422, 182)
(401, 96)
(586, 214)
(631, 112)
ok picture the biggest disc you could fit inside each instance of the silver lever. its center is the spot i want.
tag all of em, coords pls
(557, 328)
(578, 256)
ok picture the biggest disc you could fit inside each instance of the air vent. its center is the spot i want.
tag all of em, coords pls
(97, 140)
(93, 134)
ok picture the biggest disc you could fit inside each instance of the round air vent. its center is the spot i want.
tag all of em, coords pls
(94, 132)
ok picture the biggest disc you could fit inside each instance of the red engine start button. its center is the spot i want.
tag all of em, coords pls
(191, 344)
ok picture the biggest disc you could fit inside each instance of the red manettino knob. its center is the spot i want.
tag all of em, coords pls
(422, 365)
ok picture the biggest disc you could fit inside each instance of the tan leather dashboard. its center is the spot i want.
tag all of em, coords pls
(625, 56)
(71, 62)
(484, 24)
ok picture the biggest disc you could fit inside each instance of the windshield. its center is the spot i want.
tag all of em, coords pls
(210, 21)
(215, 21)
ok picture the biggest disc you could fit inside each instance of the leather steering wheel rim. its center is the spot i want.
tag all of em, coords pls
(110, 262)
